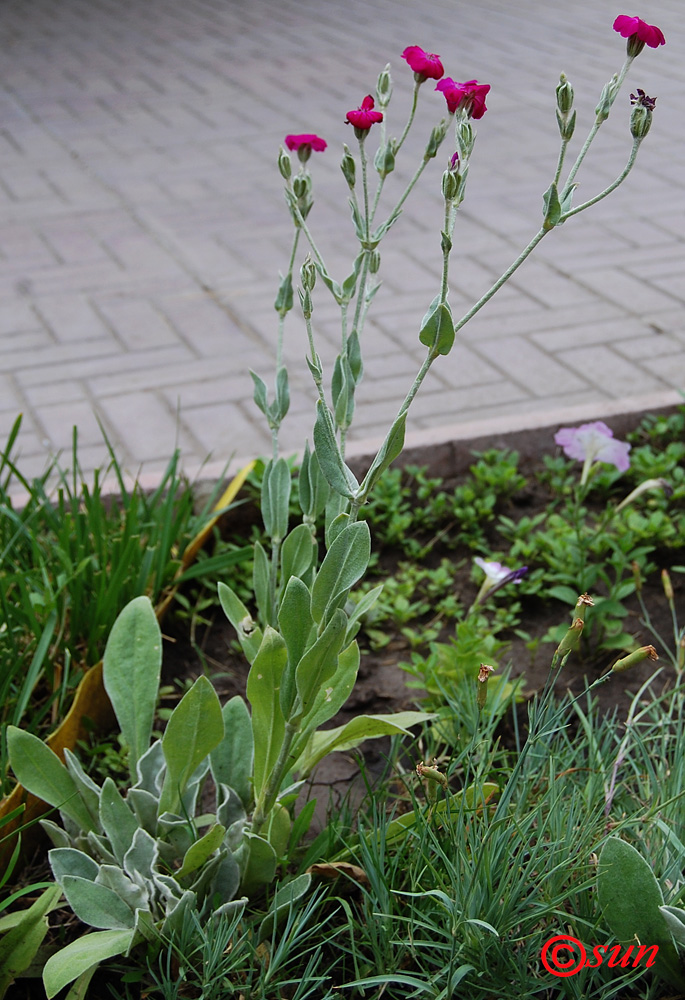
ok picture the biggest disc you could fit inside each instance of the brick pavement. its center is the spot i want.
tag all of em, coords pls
(142, 222)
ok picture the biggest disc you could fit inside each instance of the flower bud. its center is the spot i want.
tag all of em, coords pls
(637, 575)
(284, 165)
(570, 640)
(632, 659)
(466, 137)
(374, 261)
(640, 121)
(384, 161)
(308, 274)
(431, 772)
(564, 95)
(384, 86)
(667, 585)
(348, 167)
(482, 681)
(567, 125)
(436, 137)
(607, 98)
(450, 185)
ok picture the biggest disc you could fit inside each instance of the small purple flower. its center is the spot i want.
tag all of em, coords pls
(496, 576)
(591, 443)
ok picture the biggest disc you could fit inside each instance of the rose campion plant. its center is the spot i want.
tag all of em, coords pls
(138, 864)
(637, 30)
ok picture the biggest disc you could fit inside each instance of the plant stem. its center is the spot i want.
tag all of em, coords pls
(612, 187)
(270, 791)
(415, 98)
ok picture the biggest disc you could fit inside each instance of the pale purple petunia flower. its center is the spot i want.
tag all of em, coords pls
(593, 442)
(496, 576)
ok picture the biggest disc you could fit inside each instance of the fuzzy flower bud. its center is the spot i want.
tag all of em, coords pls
(450, 185)
(632, 659)
(431, 772)
(308, 274)
(483, 675)
(284, 165)
(667, 585)
(348, 167)
(606, 99)
(466, 136)
(564, 95)
(384, 86)
(374, 261)
(641, 115)
(637, 575)
(437, 135)
(384, 161)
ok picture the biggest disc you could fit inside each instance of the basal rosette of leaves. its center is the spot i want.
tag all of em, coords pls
(136, 866)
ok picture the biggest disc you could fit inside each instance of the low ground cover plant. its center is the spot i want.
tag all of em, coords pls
(196, 872)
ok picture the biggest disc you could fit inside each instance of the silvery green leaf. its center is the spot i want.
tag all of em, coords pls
(199, 852)
(168, 888)
(116, 819)
(189, 797)
(363, 727)
(229, 806)
(131, 670)
(76, 958)
(284, 298)
(354, 357)
(263, 687)
(262, 862)
(390, 449)
(297, 552)
(344, 564)
(145, 806)
(260, 393)
(132, 894)
(150, 769)
(58, 836)
(276, 498)
(437, 333)
(228, 909)
(195, 727)
(235, 833)
(88, 790)
(100, 848)
(225, 882)
(335, 691)
(67, 861)
(675, 919)
(96, 905)
(284, 898)
(249, 632)
(144, 927)
(141, 857)
(176, 832)
(551, 207)
(340, 477)
(282, 401)
(231, 761)
(357, 220)
(320, 661)
(177, 917)
(296, 623)
(337, 525)
(261, 573)
(41, 772)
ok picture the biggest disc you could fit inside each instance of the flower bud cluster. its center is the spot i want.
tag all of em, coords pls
(436, 137)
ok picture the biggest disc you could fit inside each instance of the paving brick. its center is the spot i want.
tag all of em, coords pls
(142, 221)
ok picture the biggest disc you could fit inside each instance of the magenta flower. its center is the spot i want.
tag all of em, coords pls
(313, 141)
(469, 96)
(304, 144)
(364, 117)
(425, 64)
(591, 443)
(638, 31)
